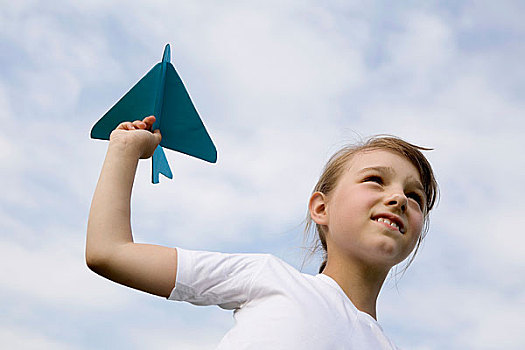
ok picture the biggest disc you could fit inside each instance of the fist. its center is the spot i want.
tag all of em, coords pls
(137, 136)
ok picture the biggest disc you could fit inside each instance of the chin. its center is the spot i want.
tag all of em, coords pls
(388, 253)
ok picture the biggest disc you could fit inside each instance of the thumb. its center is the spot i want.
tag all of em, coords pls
(157, 135)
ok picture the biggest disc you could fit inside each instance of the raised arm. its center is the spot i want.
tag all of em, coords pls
(110, 250)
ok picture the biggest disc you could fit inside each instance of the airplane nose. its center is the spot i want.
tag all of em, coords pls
(166, 56)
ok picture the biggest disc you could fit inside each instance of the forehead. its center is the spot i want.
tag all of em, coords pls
(387, 160)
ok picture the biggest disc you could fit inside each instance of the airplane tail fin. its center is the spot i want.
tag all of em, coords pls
(159, 165)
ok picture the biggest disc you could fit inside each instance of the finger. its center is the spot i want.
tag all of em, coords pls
(149, 121)
(126, 126)
(139, 124)
(148, 118)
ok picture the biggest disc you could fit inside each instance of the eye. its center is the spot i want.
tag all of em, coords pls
(415, 196)
(373, 178)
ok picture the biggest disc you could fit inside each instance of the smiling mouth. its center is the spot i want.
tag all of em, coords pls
(389, 224)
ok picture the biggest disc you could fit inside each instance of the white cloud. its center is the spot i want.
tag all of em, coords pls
(424, 44)
(9, 151)
(54, 274)
(440, 315)
(29, 339)
(177, 335)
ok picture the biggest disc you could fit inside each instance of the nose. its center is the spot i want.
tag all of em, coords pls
(397, 200)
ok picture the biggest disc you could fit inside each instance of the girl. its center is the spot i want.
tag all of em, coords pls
(369, 208)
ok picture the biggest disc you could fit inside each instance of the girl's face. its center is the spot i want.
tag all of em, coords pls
(375, 213)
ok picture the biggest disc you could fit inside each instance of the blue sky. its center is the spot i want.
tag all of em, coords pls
(280, 86)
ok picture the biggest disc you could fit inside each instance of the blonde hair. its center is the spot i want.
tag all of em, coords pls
(337, 164)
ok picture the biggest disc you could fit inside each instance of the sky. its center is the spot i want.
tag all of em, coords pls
(280, 86)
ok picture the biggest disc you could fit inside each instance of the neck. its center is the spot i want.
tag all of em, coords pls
(360, 283)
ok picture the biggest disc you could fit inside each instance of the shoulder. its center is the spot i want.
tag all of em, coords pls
(276, 276)
(201, 259)
(198, 265)
(224, 279)
(260, 271)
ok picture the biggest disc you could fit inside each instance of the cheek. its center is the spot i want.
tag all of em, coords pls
(417, 222)
(353, 206)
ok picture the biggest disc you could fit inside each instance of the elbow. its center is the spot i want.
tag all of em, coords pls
(103, 261)
(93, 262)
(96, 261)
(97, 253)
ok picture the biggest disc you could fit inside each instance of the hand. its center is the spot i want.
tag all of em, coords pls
(137, 136)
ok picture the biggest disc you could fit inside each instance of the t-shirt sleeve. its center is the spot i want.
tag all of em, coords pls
(210, 278)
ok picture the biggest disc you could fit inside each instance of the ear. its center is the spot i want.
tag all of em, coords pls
(317, 208)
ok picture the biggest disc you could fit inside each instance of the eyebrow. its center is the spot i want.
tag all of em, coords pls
(391, 171)
(381, 169)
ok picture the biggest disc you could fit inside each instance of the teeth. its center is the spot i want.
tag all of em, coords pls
(386, 221)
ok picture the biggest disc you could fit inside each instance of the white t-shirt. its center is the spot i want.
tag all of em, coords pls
(275, 306)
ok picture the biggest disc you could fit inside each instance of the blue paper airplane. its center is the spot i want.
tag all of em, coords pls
(161, 93)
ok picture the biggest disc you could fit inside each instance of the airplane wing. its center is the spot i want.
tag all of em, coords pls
(136, 104)
(181, 127)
